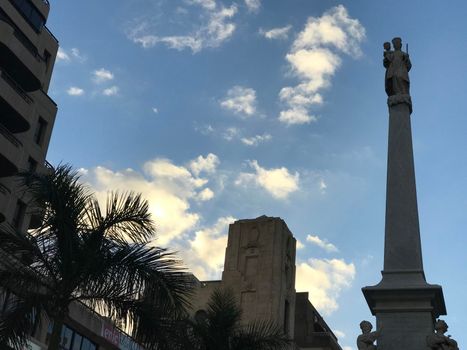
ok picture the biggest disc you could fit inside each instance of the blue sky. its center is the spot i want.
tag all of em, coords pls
(222, 110)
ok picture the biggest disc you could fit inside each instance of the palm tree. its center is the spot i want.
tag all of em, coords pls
(220, 328)
(82, 254)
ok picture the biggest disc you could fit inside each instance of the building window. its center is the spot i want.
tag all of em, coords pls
(71, 340)
(286, 317)
(47, 59)
(40, 131)
(18, 217)
(32, 165)
(30, 13)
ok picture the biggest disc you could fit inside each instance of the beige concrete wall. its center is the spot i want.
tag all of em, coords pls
(260, 267)
(31, 106)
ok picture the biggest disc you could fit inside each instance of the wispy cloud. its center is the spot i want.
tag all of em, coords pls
(240, 100)
(339, 334)
(253, 5)
(67, 56)
(230, 133)
(256, 140)
(322, 186)
(278, 182)
(276, 33)
(322, 243)
(102, 75)
(315, 57)
(216, 28)
(111, 91)
(62, 55)
(75, 91)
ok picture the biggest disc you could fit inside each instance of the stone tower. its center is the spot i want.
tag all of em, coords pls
(260, 269)
(404, 304)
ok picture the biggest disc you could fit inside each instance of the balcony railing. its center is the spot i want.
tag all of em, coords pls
(15, 86)
(28, 45)
(10, 137)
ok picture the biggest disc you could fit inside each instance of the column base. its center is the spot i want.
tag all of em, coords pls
(405, 307)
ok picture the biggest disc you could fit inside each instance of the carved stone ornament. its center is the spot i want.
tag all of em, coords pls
(439, 341)
(365, 341)
(398, 99)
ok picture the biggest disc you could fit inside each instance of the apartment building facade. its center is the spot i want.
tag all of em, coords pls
(27, 114)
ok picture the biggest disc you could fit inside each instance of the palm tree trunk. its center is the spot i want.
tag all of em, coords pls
(54, 342)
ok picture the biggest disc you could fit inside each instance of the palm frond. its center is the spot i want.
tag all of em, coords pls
(18, 319)
(127, 218)
(261, 335)
(104, 260)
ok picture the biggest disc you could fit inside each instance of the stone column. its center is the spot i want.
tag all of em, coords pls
(404, 304)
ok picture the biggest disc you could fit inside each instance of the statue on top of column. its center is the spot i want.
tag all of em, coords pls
(397, 64)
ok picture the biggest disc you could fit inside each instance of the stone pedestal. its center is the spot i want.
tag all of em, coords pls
(405, 307)
(404, 304)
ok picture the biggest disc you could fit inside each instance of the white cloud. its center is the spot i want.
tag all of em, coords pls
(253, 5)
(339, 334)
(76, 53)
(347, 348)
(240, 100)
(279, 182)
(324, 244)
(102, 75)
(168, 188)
(335, 28)
(315, 57)
(75, 91)
(205, 129)
(296, 116)
(324, 280)
(205, 195)
(206, 164)
(111, 91)
(300, 245)
(207, 4)
(205, 253)
(155, 110)
(322, 186)
(72, 55)
(256, 140)
(215, 30)
(276, 33)
(62, 55)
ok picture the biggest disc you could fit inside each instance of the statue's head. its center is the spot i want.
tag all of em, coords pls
(441, 326)
(387, 46)
(366, 326)
(397, 43)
